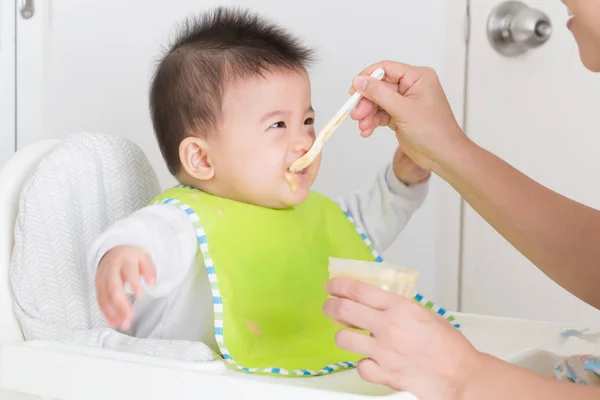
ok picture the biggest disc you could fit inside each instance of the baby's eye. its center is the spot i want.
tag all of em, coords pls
(309, 121)
(279, 124)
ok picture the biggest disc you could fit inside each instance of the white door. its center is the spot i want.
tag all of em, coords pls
(540, 112)
(85, 65)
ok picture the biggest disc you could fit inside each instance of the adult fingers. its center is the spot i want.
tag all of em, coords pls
(367, 132)
(364, 108)
(400, 74)
(358, 343)
(381, 94)
(363, 293)
(353, 314)
(370, 371)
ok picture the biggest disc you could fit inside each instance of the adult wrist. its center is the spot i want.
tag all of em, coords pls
(455, 155)
(474, 382)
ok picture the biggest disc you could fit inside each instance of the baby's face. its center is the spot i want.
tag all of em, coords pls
(266, 124)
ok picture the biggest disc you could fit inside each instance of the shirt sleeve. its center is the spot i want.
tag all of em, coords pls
(384, 209)
(161, 230)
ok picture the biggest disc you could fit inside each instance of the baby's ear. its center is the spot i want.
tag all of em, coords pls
(193, 154)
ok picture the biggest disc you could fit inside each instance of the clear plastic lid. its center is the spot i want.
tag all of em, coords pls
(391, 278)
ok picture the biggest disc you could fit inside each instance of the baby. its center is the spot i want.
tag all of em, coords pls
(233, 257)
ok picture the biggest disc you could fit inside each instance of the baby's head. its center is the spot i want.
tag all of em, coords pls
(231, 108)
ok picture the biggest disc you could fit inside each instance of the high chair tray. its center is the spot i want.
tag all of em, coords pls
(64, 371)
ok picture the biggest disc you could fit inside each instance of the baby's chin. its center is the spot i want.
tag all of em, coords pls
(290, 199)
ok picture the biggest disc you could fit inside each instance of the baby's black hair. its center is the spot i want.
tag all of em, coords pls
(209, 52)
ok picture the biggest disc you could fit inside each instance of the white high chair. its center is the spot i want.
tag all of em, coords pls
(110, 365)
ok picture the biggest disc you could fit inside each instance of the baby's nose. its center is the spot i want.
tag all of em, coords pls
(302, 143)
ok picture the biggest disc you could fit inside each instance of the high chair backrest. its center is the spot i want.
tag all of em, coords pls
(12, 177)
(83, 185)
(62, 204)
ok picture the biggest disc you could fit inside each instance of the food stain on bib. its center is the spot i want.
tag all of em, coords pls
(220, 212)
(254, 328)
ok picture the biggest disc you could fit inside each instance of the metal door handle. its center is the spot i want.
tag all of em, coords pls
(27, 9)
(514, 28)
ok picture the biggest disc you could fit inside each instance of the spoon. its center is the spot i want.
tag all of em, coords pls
(310, 156)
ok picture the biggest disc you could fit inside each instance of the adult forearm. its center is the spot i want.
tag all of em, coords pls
(498, 380)
(560, 236)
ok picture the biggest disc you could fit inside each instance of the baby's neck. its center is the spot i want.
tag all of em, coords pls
(213, 189)
(186, 180)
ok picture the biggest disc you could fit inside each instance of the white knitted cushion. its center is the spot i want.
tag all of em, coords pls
(81, 187)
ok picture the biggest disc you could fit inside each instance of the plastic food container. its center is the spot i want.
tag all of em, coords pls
(391, 278)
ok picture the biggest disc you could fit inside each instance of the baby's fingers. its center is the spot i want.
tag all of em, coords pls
(107, 309)
(103, 298)
(118, 299)
(131, 276)
(147, 269)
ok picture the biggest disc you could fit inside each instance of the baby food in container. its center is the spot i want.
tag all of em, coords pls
(391, 278)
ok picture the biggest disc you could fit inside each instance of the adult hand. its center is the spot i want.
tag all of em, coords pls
(410, 100)
(410, 348)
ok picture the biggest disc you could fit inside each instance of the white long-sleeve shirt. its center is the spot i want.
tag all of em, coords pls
(179, 304)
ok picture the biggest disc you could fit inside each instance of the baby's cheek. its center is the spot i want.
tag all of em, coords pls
(267, 182)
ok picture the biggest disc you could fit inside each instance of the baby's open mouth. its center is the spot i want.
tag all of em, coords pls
(301, 172)
(293, 179)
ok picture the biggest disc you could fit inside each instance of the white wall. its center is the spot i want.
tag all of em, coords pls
(7, 80)
(96, 58)
(418, 37)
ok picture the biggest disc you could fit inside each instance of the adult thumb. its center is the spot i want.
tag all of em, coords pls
(380, 93)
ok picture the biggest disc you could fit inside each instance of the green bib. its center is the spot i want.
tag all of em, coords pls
(267, 269)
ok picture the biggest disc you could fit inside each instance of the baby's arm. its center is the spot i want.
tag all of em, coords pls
(157, 242)
(384, 210)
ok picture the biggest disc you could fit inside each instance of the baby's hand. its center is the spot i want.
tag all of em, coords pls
(406, 170)
(122, 265)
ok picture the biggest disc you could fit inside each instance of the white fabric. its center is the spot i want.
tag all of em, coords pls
(12, 178)
(543, 359)
(179, 304)
(81, 187)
